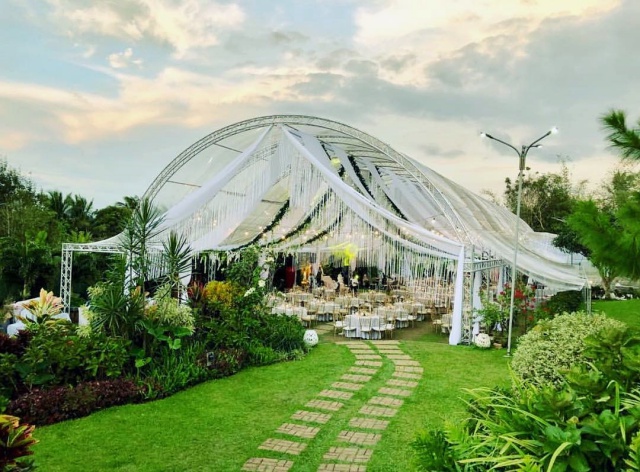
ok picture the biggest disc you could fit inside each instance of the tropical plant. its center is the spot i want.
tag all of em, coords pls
(587, 422)
(16, 441)
(43, 308)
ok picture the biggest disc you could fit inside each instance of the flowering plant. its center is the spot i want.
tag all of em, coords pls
(44, 307)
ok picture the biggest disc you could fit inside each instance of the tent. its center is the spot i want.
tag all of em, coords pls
(317, 188)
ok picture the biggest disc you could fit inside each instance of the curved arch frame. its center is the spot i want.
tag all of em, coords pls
(212, 139)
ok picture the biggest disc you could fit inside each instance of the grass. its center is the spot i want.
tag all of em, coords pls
(218, 425)
(627, 311)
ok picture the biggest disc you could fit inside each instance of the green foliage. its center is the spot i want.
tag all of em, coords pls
(589, 420)
(16, 441)
(555, 345)
(546, 199)
(564, 302)
(174, 370)
(58, 355)
(622, 138)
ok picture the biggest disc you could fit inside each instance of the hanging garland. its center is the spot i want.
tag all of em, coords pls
(393, 205)
(275, 222)
(356, 168)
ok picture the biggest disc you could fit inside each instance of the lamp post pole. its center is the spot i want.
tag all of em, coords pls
(522, 156)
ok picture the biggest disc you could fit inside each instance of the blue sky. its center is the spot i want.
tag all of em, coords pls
(97, 97)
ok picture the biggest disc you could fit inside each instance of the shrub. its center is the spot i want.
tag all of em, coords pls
(565, 302)
(556, 344)
(42, 407)
(58, 356)
(591, 421)
(15, 444)
(263, 355)
(227, 362)
(174, 370)
(281, 333)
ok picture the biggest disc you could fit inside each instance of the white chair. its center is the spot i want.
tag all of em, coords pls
(447, 319)
(377, 327)
(389, 325)
(350, 326)
(365, 327)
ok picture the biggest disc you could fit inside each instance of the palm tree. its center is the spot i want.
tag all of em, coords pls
(625, 140)
(129, 202)
(58, 203)
(80, 213)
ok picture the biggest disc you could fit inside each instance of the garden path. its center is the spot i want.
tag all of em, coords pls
(360, 406)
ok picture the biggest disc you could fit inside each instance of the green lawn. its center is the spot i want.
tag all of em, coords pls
(218, 425)
(623, 310)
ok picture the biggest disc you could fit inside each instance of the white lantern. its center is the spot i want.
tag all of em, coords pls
(483, 340)
(310, 337)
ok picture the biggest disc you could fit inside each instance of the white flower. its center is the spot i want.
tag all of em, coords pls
(249, 292)
(261, 283)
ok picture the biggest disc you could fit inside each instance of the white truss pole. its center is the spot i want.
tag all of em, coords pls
(65, 277)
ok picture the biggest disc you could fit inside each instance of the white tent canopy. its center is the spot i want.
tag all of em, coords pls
(301, 184)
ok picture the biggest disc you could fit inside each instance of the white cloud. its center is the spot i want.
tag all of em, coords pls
(183, 25)
(432, 30)
(120, 60)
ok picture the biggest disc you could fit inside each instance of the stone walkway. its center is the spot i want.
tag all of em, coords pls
(352, 448)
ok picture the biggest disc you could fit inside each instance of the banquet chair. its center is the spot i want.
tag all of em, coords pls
(365, 327)
(349, 326)
(389, 325)
(338, 323)
(445, 326)
(377, 327)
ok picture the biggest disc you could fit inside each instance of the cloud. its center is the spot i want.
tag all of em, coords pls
(120, 60)
(184, 25)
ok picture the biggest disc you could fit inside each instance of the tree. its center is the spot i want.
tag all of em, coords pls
(622, 138)
(547, 199)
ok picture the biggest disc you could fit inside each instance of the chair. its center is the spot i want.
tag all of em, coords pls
(377, 326)
(447, 319)
(350, 326)
(389, 325)
(365, 327)
(338, 323)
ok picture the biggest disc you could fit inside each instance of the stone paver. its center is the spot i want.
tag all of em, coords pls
(384, 342)
(337, 394)
(363, 370)
(386, 401)
(360, 438)
(368, 357)
(362, 351)
(399, 357)
(405, 362)
(354, 344)
(402, 383)
(306, 432)
(348, 454)
(284, 446)
(342, 468)
(356, 378)
(368, 423)
(325, 405)
(347, 385)
(311, 416)
(406, 368)
(262, 464)
(395, 391)
(369, 363)
(407, 375)
(378, 411)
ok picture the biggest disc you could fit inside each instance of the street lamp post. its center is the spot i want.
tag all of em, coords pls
(522, 156)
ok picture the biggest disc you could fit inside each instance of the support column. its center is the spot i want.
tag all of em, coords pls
(65, 277)
(455, 336)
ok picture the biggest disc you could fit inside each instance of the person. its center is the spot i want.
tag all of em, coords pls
(354, 284)
(365, 281)
(319, 281)
(340, 282)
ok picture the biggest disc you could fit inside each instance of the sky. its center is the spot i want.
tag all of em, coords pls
(97, 96)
